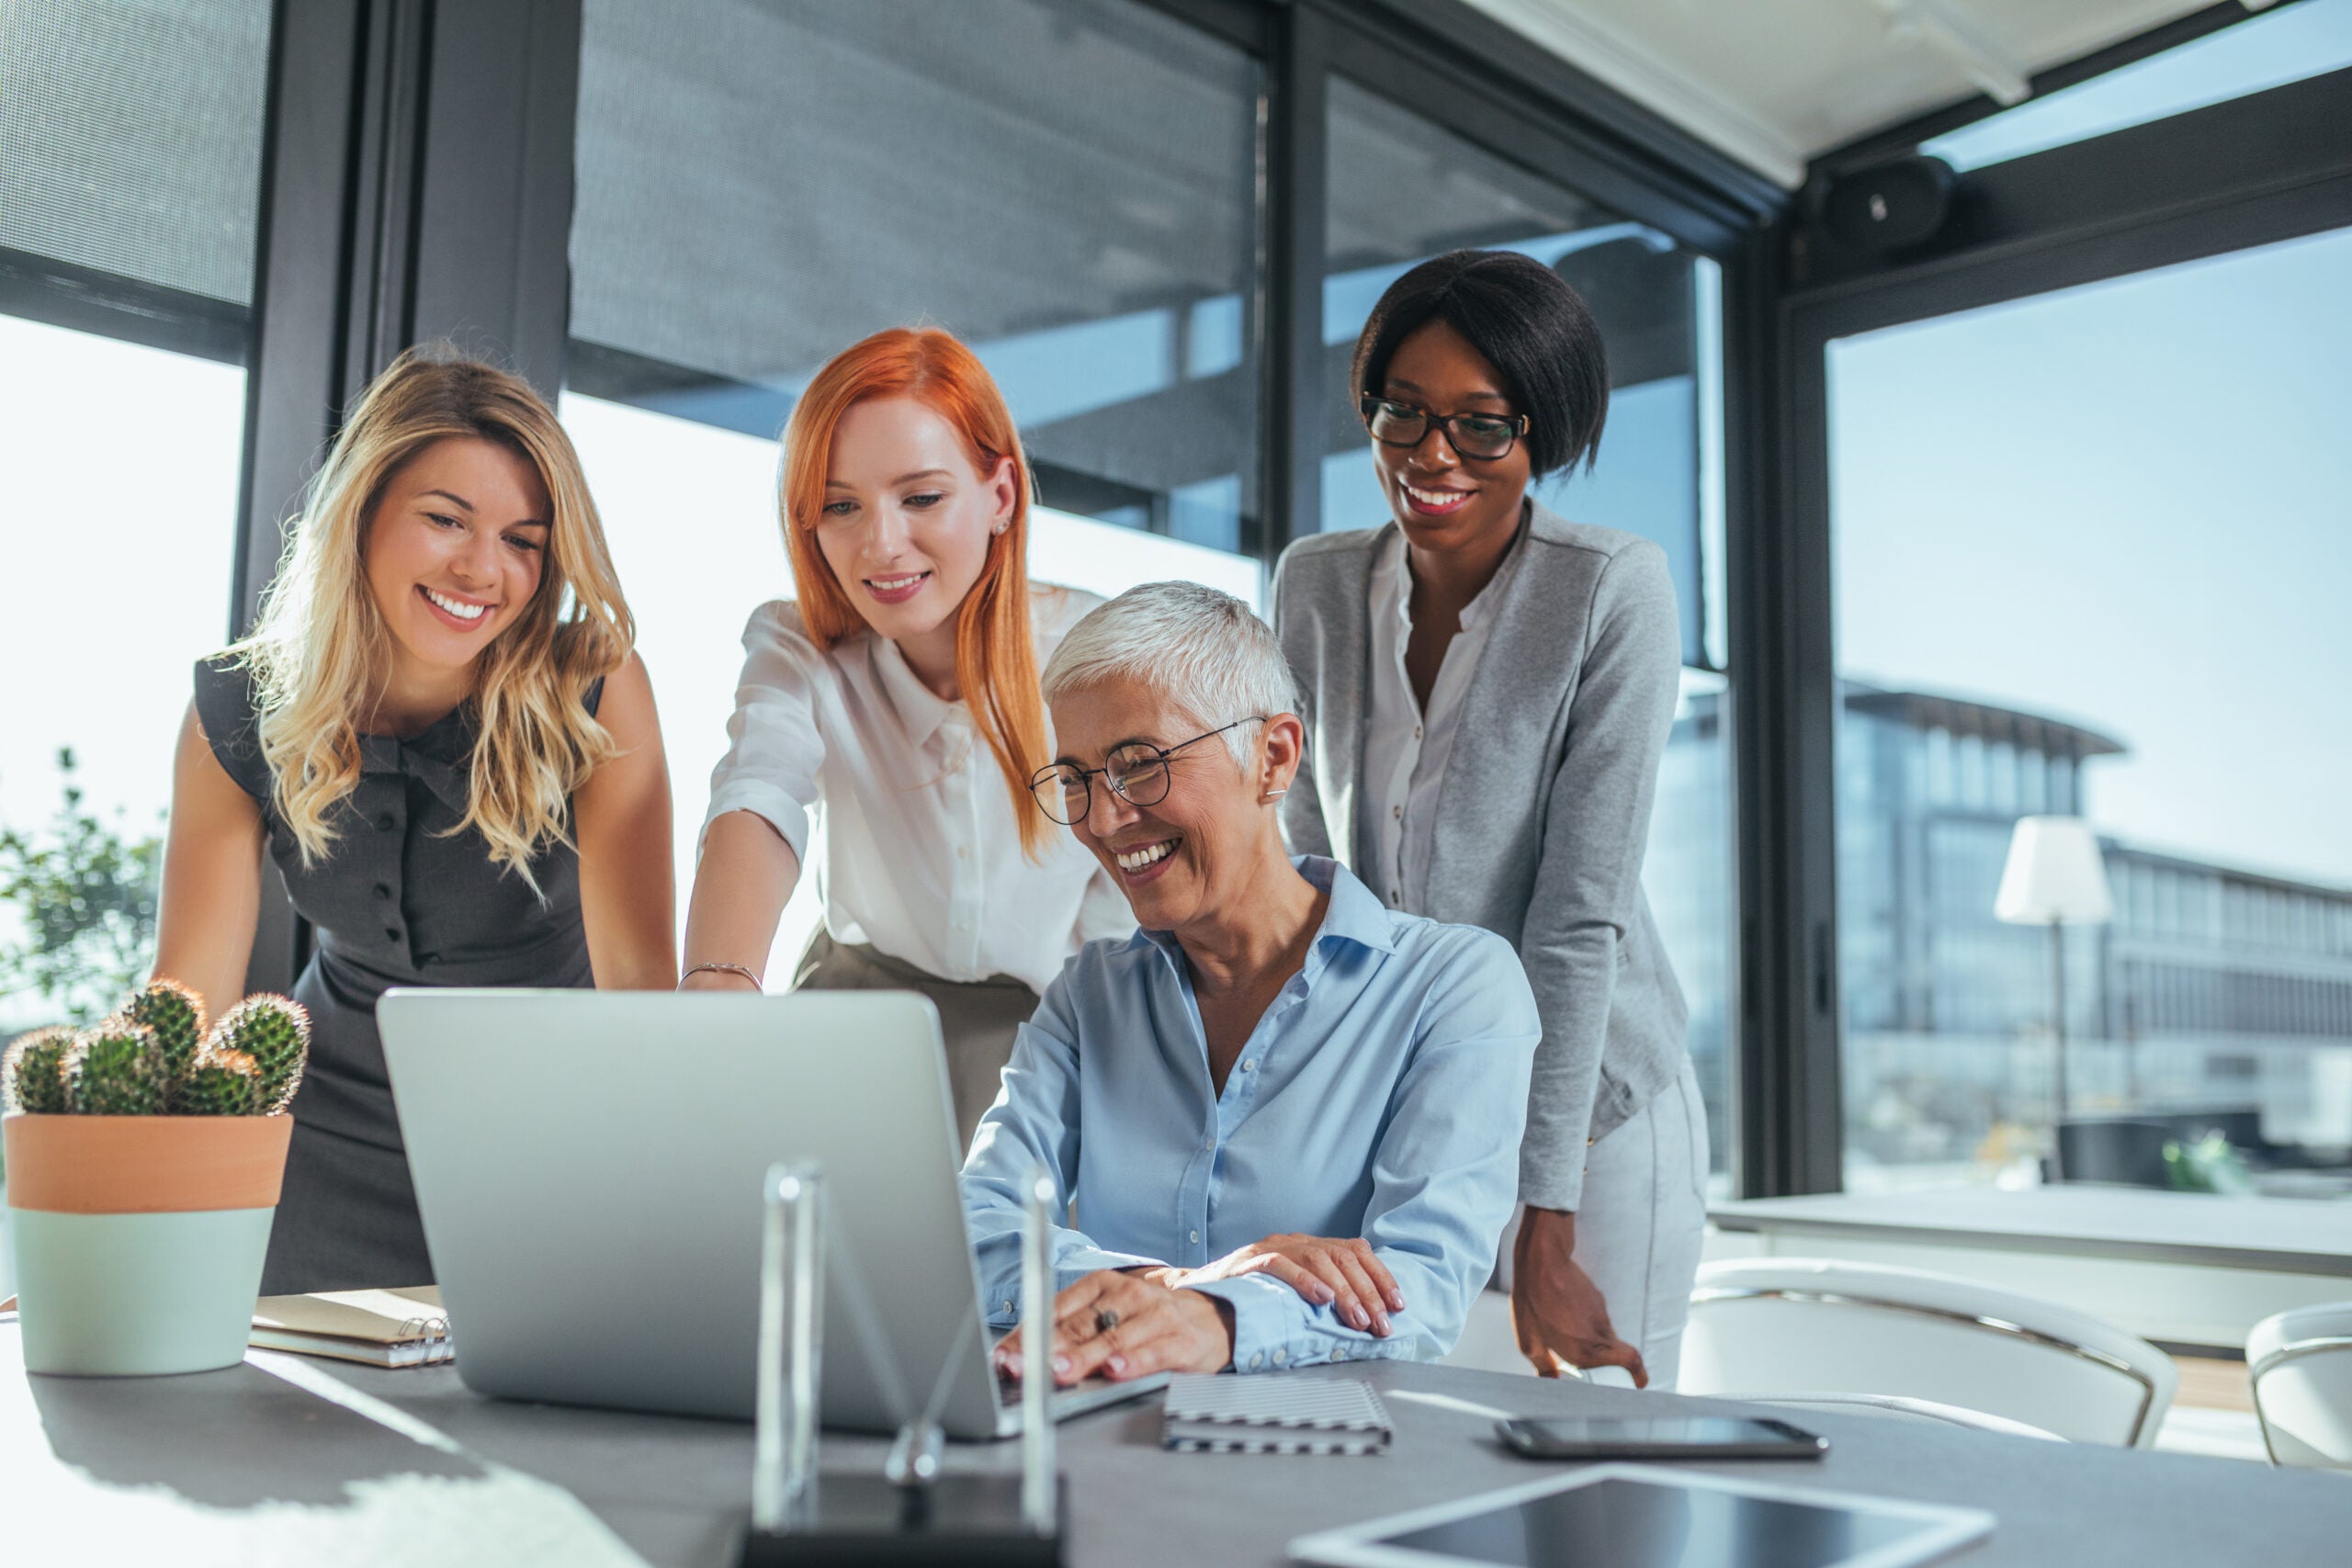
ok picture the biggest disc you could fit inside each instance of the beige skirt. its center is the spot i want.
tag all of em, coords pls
(977, 1018)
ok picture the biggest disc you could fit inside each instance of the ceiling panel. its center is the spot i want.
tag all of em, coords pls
(1775, 81)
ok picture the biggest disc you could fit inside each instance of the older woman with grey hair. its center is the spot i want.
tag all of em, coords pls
(1288, 1117)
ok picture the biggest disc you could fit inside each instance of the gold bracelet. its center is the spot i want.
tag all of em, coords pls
(757, 984)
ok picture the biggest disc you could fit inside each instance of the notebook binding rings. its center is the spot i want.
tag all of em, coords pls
(433, 1333)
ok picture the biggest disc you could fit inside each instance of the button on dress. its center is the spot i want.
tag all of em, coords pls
(397, 901)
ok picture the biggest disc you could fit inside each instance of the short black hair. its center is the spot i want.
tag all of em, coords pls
(1526, 321)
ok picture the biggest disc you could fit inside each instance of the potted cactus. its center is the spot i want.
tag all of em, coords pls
(144, 1154)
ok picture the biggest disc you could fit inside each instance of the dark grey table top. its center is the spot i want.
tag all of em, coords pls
(408, 1466)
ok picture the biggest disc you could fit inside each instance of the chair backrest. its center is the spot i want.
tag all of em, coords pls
(1894, 1408)
(1829, 1327)
(2299, 1363)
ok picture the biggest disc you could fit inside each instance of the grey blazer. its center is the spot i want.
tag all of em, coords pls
(1545, 808)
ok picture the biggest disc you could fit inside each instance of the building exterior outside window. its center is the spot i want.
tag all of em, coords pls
(2218, 998)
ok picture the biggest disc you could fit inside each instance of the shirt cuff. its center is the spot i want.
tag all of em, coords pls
(1004, 1310)
(1274, 1328)
(770, 803)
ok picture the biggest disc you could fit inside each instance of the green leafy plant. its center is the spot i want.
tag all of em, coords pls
(2206, 1165)
(85, 893)
(137, 1062)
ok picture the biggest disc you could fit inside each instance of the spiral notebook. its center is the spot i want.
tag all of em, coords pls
(1275, 1416)
(382, 1328)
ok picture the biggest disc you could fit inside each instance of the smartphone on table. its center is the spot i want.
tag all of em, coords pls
(1658, 1436)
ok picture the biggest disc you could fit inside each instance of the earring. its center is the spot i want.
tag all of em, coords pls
(1272, 795)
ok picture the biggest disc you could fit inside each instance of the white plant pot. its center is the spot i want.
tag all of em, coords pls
(119, 1295)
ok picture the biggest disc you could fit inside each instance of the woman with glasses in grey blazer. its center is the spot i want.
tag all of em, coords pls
(1488, 689)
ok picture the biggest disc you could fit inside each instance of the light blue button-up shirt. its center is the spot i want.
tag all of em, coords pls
(1381, 1096)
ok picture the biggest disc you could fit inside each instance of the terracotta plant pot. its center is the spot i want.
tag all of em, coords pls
(138, 1240)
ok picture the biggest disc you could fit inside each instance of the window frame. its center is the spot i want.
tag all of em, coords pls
(2238, 174)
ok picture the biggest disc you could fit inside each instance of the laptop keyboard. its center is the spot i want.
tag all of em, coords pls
(1008, 1388)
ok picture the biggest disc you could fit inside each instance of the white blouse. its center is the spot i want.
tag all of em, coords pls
(1406, 750)
(922, 849)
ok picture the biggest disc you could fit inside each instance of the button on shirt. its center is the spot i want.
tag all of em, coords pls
(1381, 1096)
(921, 846)
(1405, 749)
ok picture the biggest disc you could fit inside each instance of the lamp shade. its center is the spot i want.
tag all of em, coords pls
(2054, 875)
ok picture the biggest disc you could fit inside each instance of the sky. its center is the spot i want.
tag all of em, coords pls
(117, 521)
(2128, 506)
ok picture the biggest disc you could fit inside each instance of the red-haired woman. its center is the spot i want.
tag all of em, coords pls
(899, 696)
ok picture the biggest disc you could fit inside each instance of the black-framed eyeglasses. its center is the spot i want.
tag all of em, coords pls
(1481, 436)
(1137, 771)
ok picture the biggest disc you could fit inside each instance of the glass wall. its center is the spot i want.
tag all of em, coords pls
(2289, 44)
(1076, 187)
(130, 193)
(1071, 185)
(1404, 189)
(2091, 555)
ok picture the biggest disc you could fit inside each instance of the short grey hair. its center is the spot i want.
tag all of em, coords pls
(1205, 649)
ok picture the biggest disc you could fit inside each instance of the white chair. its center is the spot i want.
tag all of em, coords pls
(2299, 1364)
(1895, 1407)
(1827, 1326)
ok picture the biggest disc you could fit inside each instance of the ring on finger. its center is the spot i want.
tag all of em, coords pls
(1106, 1319)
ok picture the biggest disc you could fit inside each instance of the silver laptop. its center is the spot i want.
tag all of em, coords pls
(588, 1164)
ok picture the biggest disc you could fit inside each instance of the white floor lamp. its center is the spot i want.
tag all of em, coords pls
(2054, 877)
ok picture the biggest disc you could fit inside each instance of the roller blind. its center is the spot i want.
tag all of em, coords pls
(131, 136)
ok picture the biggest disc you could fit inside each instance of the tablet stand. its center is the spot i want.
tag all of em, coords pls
(915, 1513)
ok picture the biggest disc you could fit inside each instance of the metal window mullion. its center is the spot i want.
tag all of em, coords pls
(303, 296)
(1296, 201)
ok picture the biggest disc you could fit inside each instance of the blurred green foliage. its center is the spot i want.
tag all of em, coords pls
(85, 891)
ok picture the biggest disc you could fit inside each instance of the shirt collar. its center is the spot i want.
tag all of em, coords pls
(1481, 610)
(1353, 914)
(1391, 577)
(1389, 580)
(440, 756)
(920, 709)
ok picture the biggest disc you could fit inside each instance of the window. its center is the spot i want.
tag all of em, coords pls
(2292, 42)
(1403, 189)
(131, 140)
(2099, 531)
(130, 194)
(1077, 199)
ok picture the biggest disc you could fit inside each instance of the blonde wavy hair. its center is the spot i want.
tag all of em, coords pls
(320, 648)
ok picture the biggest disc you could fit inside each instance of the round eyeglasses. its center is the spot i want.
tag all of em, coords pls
(1481, 436)
(1136, 773)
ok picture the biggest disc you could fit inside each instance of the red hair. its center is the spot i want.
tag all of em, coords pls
(996, 655)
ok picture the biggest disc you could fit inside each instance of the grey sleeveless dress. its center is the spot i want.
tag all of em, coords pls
(397, 902)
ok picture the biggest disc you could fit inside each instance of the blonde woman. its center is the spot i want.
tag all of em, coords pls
(439, 733)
